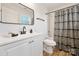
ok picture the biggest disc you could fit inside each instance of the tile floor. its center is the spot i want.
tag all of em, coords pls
(57, 52)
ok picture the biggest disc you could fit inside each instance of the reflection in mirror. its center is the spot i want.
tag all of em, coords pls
(17, 13)
(24, 20)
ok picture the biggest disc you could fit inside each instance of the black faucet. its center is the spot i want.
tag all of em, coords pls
(23, 32)
(24, 28)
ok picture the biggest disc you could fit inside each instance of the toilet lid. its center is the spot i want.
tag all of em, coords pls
(50, 42)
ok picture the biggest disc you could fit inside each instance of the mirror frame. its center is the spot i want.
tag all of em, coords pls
(17, 23)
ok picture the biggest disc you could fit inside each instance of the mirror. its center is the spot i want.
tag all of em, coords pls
(17, 13)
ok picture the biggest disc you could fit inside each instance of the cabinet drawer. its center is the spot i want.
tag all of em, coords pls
(16, 43)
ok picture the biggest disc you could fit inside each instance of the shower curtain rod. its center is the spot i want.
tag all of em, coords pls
(61, 9)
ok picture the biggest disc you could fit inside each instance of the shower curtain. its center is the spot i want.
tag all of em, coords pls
(66, 32)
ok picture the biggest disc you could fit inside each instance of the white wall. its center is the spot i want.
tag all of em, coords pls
(51, 24)
(39, 26)
(63, 6)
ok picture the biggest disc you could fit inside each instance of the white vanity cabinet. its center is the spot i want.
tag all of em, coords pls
(2, 51)
(19, 50)
(32, 46)
(37, 46)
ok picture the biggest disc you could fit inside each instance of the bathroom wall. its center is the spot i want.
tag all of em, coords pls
(39, 26)
(51, 24)
(63, 6)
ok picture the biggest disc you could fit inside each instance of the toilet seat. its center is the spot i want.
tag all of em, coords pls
(50, 42)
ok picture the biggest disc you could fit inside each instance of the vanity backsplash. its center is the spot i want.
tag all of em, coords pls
(5, 29)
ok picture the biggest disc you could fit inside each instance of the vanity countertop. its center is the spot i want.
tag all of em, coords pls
(7, 40)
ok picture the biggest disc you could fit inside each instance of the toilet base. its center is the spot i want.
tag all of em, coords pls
(48, 50)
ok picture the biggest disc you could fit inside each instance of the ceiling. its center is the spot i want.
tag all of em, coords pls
(53, 5)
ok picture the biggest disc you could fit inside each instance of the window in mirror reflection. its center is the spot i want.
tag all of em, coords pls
(24, 20)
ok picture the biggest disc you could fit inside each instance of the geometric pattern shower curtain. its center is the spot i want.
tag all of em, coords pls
(66, 33)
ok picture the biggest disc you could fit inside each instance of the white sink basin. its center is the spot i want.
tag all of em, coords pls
(9, 39)
(9, 35)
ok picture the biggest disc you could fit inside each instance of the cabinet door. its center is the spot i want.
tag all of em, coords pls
(37, 47)
(21, 50)
(2, 51)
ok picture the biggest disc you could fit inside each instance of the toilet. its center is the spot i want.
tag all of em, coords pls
(49, 45)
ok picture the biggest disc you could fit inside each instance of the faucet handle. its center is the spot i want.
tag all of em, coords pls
(12, 34)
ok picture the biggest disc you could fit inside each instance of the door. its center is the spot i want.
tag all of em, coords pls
(20, 50)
